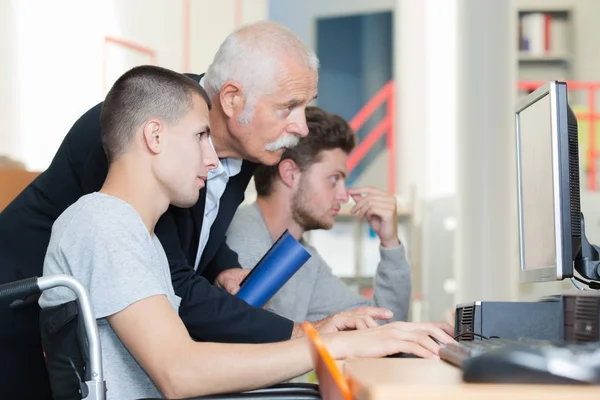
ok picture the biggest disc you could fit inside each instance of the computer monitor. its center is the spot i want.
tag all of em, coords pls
(548, 184)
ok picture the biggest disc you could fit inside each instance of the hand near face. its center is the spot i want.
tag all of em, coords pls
(380, 209)
(230, 279)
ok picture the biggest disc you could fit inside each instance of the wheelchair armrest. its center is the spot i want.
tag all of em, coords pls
(291, 386)
(282, 391)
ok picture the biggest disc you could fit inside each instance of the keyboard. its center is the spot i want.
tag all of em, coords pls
(456, 353)
(525, 361)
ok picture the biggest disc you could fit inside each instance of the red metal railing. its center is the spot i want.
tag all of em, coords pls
(238, 13)
(591, 116)
(384, 127)
(187, 34)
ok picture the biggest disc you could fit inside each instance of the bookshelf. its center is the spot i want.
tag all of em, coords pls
(551, 57)
(545, 39)
(580, 60)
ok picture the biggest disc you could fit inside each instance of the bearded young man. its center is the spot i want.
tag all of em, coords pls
(304, 192)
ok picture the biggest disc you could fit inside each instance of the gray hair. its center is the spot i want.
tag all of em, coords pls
(252, 57)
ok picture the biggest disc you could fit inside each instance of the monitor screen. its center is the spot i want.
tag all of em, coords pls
(537, 185)
(544, 190)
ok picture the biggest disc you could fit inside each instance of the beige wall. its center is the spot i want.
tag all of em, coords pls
(52, 67)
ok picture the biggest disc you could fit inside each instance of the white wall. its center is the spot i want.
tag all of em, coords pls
(426, 91)
(52, 64)
(9, 142)
(213, 20)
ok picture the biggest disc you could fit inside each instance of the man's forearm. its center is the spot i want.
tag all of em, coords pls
(211, 314)
(392, 283)
(252, 366)
(297, 331)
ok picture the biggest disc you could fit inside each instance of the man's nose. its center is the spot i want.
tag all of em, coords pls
(209, 156)
(343, 195)
(299, 126)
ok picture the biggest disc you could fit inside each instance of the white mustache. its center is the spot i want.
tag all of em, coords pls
(287, 141)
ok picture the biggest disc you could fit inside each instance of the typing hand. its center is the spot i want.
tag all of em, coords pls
(445, 326)
(419, 338)
(380, 209)
(230, 279)
(358, 318)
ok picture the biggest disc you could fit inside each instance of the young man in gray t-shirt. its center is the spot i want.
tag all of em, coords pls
(103, 243)
(106, 240)
(155, 126)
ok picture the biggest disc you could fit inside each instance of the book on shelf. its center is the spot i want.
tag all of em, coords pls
(543, 34)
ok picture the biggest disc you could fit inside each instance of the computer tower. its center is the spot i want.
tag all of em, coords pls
(581, 316)
(509, 320)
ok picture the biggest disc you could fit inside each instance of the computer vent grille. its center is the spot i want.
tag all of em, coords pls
(586, 319)
(467, 323)
(574, 182)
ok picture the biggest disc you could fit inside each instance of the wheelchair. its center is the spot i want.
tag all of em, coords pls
(73, 353)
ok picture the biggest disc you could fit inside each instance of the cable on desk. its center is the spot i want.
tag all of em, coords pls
(475, 334)
(593, 285)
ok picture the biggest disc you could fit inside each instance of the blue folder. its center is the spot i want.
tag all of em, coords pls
(277, 266)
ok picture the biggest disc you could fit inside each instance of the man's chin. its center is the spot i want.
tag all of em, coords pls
(271, 157)
(319, 225)
(327, 225)
(187, 202)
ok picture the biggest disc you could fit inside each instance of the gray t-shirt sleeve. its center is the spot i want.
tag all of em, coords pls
(248, 236)
(392, 282)
(330, 295)
(109, 251)
(392, 287)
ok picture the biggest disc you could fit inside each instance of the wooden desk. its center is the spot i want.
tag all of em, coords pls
(397, 378)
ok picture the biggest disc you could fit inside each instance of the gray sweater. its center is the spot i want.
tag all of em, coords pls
(314, 292)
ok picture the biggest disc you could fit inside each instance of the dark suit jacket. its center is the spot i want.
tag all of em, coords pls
(79, 167)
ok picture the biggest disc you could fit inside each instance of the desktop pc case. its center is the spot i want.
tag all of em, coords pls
(581, 313)
(568, 317)
(509, 320)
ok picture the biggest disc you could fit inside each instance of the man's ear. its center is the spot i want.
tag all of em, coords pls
(232, 98)
(153, 139)
(289, 173)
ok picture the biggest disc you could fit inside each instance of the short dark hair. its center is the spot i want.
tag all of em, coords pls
(142, 93)
(325, 132)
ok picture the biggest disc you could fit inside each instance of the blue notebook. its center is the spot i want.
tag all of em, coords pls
(277, 266)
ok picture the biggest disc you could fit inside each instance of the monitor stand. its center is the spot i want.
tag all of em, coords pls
(587, 261)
